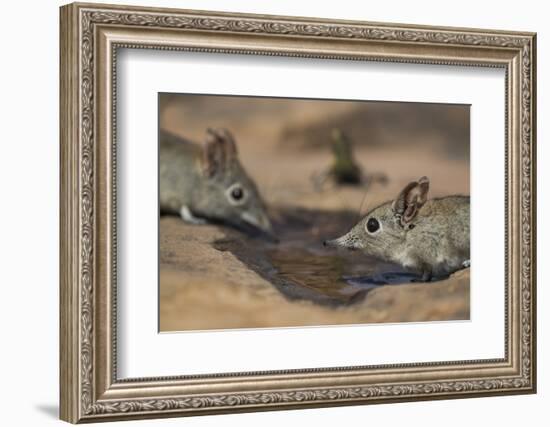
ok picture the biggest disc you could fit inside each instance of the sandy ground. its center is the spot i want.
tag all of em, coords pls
(214, 277)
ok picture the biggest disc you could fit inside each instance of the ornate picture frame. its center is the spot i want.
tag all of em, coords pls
(90, 37)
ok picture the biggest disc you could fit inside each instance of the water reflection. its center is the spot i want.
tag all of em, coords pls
(301, 268)
(341, 279)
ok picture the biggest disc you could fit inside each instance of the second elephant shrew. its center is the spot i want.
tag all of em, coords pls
(207, 183)
(428, 237)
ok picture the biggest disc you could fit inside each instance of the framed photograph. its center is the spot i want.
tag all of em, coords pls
(265, 212)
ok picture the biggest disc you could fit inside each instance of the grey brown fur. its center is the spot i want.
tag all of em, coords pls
(200, 182)
(430, 237)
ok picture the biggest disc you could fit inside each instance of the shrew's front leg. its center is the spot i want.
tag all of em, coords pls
(188, 216)
(426, 274)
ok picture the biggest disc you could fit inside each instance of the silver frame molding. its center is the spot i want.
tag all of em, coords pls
(90, 37)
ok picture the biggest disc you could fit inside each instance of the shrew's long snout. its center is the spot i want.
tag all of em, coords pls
(331, 243)
(260, 223)
(347, 241)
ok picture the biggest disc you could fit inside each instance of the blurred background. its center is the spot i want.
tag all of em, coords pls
(284, 142)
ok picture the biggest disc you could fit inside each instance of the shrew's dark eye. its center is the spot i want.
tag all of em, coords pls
(372, 225)
(237, 193)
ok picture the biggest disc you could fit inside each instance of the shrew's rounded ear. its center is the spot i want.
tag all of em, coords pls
(218, 152)
(410, 200)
